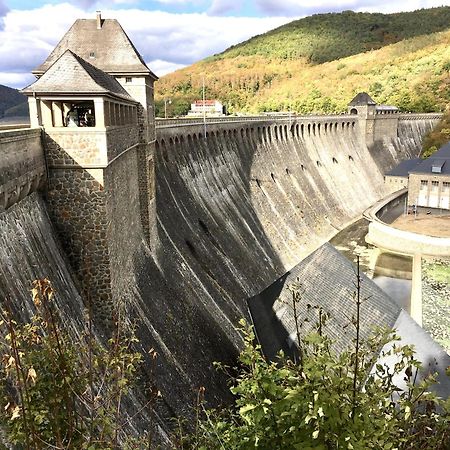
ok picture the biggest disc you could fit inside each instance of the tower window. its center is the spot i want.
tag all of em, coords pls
(128, 79)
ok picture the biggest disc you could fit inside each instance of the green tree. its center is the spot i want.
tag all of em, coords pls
(327, 401)
(60, 395)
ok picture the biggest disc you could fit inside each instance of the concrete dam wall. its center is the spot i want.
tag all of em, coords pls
(232, 213)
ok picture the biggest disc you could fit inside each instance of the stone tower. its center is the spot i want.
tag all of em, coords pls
(365, 107)
(94, 100)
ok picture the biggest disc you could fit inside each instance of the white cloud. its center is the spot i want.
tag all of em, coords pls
(16, 80)
(3, 8)
(305, 7)
(160, 67)
(185, 38)
(180, 2)
(222, 7)
(175, 39)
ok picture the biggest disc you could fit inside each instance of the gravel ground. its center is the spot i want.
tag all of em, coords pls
(436, 299)
(431, 225)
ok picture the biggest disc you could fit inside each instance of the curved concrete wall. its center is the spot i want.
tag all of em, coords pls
(405, 242)
(392, 239)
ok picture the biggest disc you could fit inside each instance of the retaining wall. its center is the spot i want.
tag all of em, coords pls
(22, 165)
(398, 241)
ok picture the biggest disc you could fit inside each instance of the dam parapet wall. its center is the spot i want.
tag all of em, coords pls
(22, 165)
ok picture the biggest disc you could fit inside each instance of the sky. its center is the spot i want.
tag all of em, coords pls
(169, 34)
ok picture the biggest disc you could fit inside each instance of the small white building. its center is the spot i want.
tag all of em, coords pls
(208, 107)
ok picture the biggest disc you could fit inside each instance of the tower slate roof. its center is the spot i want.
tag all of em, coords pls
(107, 48)
(72, 75)
(326, 280)
(361, 99)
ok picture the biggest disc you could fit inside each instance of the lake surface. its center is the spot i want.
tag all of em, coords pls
(390, 272)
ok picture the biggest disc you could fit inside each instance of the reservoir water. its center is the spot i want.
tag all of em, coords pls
(392, 273)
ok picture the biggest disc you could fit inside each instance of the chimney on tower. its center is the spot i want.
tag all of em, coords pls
(99, 20)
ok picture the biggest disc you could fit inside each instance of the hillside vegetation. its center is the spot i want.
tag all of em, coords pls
(12, 102)
(319, 63)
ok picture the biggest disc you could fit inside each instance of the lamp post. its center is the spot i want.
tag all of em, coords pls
(204, 108)
(169, 101)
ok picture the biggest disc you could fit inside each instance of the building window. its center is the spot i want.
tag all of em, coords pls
(423, 184)
(434, 185)
(128, 79)
(446, 186)
(92, 55)
(80, 114)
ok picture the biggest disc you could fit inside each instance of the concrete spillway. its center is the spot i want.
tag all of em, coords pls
(234, 212)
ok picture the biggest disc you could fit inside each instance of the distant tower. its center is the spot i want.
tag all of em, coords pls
(94, 99)
(365, 108)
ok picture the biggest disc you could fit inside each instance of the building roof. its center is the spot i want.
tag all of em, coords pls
(439, 159)
(326, 281)
(108, 48)
(72, 75)
(404, 167)
(361, 99)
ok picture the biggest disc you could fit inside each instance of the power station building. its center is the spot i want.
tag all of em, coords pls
(429, 181)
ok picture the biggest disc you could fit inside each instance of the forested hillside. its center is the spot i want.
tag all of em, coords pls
(12, 102)
(319, 63)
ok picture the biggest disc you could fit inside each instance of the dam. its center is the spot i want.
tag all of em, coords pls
(181, 222)
(233, 212)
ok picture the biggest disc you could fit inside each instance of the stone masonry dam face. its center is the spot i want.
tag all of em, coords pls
(233, 213)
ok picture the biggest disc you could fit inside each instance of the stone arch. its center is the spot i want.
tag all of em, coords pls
(335, 161)
(318, 128)
(353, 111)
(309, 129)
(319, 164)
(302, 129)
(287, 171)
(350, 158)
(276, 132)
(303, 167)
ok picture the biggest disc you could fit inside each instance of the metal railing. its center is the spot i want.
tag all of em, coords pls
(195, 121)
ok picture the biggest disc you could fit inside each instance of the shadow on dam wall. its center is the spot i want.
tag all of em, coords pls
(238, 209)
(234, 212)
